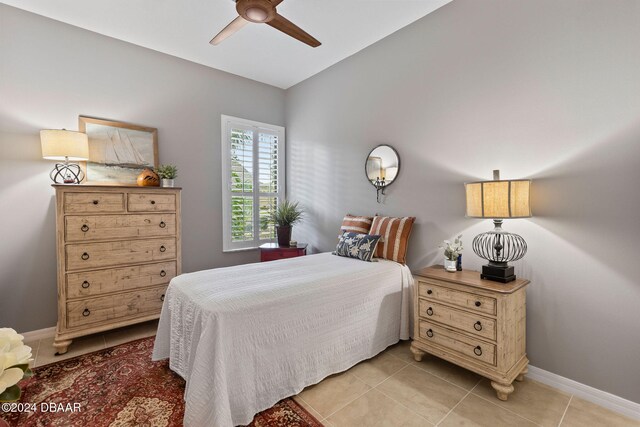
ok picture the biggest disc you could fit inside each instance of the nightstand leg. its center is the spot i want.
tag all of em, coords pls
(523, 373)
(417, 353)
(61, 346)
(502, 390)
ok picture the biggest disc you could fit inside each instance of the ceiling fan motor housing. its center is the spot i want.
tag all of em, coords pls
(259, 11)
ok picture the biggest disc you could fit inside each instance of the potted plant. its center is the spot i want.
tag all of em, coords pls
(285, 215)
(14, 365)
(168, 174)
(452, 251)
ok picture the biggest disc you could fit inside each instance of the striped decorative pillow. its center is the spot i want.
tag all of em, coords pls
(355, 224)
(395, 236)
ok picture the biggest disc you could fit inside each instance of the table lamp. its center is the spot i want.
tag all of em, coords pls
(499, 199)
(65, 145)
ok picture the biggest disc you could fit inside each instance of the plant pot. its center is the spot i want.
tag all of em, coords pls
(284, 234)
(168, 182)
(450, 265)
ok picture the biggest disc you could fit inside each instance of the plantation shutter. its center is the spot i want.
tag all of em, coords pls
(253, 181)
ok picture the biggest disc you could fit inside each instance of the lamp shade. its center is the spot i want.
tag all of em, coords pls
(499, 199)
(61, 144)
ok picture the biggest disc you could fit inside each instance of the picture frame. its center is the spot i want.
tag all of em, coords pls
(118, 151)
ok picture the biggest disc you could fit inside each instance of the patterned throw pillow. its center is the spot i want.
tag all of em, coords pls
(395, 237)
(356, 245)
(355, 224)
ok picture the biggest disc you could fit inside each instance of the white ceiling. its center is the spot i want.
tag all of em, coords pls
(184, 28)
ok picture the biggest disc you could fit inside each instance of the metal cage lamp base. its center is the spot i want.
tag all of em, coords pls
(67, 173)
(499, 247)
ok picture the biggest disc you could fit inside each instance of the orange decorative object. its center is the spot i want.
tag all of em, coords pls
(148, 178)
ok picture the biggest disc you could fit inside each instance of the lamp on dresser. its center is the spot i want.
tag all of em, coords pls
(499, 199)
(65, 145)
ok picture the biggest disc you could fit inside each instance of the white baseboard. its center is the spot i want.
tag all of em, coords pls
(39, 334)
(599, 397)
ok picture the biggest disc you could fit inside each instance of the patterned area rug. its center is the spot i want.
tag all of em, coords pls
(121, 386)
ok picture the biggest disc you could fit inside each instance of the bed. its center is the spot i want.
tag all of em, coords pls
(245, 337)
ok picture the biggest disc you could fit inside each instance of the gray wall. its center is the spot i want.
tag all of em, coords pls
(52, 72)
(548, 90)
(541, 89)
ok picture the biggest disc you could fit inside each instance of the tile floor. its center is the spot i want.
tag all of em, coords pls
(392, 389)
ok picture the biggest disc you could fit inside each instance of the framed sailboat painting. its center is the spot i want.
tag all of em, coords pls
(118, 151)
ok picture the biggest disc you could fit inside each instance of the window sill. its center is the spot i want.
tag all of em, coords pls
(253, 248)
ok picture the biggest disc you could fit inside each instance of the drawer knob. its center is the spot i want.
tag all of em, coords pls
(153, 202)
(430, 333)
(162, 297)
(429, 291)
(163, 224)
(86, 312)
(85, 256)
(478, 351)
(84, 228)
(95, 202)
(430, 311)
(162, 248)
(478, 303)
(477, 326)
(85, 284)
(163, 273)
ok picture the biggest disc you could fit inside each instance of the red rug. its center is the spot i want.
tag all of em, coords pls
(121, 386)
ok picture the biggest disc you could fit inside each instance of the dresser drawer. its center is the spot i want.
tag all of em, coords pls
(151, 202)
(465, 321)
(93, 202)
(98, 282)
(479, 303)
(461, 344)
(93, 255)
(108, 227)
(115, 307)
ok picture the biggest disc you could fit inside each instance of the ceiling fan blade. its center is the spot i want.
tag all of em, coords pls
(283, 24)
(275, 2)
(227, 31)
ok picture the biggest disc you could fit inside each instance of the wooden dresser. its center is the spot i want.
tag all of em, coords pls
(474, 323)
(118, 248)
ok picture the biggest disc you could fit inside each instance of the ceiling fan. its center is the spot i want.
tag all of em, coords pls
(263, 12)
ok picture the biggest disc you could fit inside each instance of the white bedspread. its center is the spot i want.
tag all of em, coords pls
(245, 337)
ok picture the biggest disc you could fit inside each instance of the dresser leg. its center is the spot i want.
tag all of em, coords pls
(417, 353)
(61, 346)
(502, 390)
(523, 373)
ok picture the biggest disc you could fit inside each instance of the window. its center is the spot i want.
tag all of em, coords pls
(252, 181)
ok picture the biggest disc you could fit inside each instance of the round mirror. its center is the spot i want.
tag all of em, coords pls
(383, 165)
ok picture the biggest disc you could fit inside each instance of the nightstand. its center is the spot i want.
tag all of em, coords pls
(477, 324)
(273, 251)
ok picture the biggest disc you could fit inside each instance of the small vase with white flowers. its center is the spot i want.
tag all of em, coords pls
(452, 252)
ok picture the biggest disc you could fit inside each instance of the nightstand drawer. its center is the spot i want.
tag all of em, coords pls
(469, 347)
(464, 321)
(272, 251)
(481, 304)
